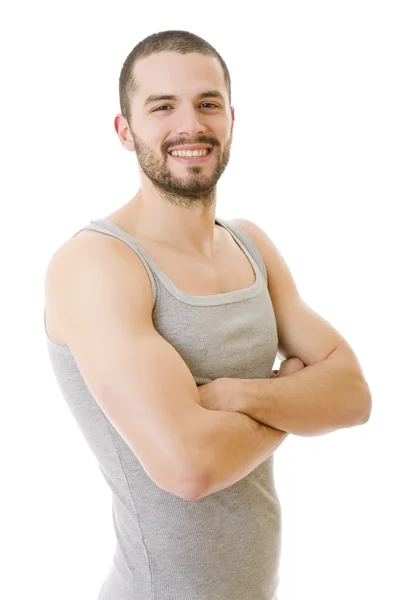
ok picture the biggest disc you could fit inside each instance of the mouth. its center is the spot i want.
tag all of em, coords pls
(191, 157)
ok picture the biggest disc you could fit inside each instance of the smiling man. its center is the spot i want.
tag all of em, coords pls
(163, 323)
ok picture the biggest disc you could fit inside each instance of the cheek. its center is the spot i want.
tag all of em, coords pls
(223, 131)
(155, 143)
(153, 133)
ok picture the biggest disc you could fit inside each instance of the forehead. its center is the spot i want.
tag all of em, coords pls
(179, 74)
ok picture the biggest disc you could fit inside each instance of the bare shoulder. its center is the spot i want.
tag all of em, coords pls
(249, 227)
(88, 264)
(96, 250)
(258, 235)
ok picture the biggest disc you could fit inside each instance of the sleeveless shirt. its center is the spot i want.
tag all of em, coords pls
(225, 546)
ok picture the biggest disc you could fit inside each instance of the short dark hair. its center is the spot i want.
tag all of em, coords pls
(178, 41)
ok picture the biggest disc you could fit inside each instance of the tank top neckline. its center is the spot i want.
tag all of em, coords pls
(210, 299)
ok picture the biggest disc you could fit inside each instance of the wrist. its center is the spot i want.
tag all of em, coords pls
(253, 397)
(245, 394)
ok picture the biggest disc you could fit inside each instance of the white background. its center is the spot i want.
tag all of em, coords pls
(315, 162)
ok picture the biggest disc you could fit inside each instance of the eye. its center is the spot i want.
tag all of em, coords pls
(210, 104)
(158, 109)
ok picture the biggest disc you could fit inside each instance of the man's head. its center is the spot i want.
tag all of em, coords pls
(175, 91)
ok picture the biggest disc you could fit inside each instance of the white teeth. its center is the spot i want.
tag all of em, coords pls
(190, 152)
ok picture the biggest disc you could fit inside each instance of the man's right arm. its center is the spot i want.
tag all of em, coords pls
(99, 294)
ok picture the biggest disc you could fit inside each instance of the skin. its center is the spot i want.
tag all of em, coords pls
(220, 394)
(176, 202)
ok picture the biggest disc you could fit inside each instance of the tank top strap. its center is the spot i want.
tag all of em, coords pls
(248, 242)
(109, 228)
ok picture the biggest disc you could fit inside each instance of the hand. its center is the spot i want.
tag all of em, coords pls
(290, 365)
(226, 393)
(218, 394)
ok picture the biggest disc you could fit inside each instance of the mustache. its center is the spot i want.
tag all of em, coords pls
(185, 142)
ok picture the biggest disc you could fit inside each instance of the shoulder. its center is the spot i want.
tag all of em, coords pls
(257, 234)
(89, 248)
(251, 228)
(277, 268)
(248, 226)
(91, 263)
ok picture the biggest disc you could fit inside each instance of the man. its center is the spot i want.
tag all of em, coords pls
(163, 325)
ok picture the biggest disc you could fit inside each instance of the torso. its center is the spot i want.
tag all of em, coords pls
(230, 270)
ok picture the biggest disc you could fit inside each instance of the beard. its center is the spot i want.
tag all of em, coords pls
(194, 189)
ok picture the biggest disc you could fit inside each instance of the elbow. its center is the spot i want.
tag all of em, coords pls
(187, 490)
(185, 483)
(192, 482)
(367, 405)
(196, 484)
(364, 418)
(191, 489)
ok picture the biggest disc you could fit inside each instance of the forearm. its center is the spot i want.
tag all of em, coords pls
(315, 400)
(234, 446)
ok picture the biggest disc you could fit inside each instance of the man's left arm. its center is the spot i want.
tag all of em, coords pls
(315, 400)
(330, 392)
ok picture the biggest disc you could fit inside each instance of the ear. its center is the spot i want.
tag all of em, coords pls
(233, 118)
(129, 145)
(121, 126)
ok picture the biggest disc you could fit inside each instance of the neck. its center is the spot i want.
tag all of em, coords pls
(184, 222)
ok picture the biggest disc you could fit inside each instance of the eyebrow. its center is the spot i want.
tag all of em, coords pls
(158, 97)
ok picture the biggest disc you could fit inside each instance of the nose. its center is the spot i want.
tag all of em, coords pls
(189, 122)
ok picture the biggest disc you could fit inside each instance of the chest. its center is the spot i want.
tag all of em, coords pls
(230, 270)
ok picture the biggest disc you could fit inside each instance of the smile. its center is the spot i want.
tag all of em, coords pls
(191, 156)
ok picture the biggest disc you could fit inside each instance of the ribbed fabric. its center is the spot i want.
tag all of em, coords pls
(225, 546)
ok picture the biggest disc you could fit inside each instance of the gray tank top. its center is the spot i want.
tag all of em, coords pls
(225, 546)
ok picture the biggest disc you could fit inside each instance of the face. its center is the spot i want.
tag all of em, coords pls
(181, 100)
